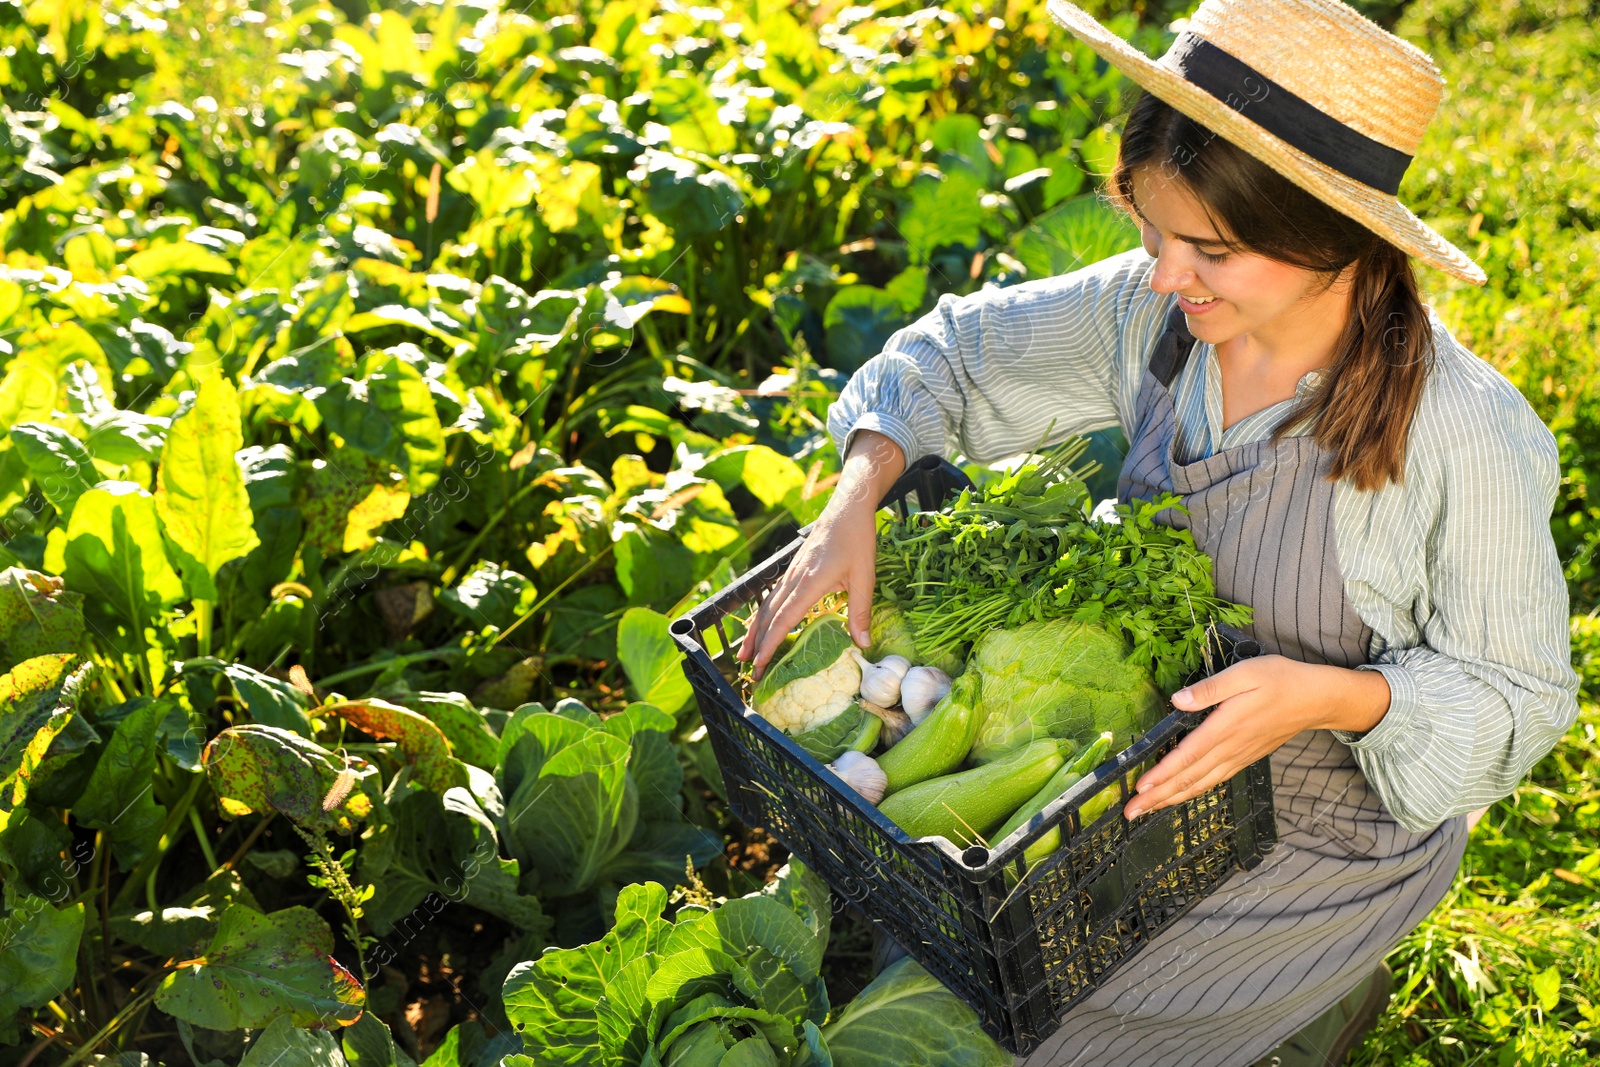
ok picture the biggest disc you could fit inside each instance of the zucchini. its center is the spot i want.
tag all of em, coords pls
(963, 807)
(1105, 798)
(1059, 783)
(941, 742)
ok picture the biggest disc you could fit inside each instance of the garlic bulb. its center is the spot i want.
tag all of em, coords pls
(921, 690)
(880, 682)
(861, 772)
(896, 723)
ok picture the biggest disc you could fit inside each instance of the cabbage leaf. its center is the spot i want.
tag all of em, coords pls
(1059, 678)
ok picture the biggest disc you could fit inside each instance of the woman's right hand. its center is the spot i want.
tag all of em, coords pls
(838, 555)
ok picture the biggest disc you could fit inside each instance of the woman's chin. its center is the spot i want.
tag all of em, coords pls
(1212, 328)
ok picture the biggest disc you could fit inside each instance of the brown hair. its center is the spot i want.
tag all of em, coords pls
(1369, 394)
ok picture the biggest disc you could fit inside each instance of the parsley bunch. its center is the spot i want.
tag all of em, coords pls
(1024, 548)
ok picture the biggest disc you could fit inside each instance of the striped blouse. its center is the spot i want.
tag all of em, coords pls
(1454, 569)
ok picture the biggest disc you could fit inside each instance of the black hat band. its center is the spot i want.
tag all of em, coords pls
(1287, 116)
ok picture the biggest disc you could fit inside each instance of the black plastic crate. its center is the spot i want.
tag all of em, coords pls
(1020, 952)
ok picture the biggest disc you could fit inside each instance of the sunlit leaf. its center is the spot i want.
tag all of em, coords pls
(200, 494)
(423, 743)
(60, 464)
(113, 553)
(38, 698)
(283, 1042)
(262, 768)
(175, 259)
(652, 660)
(38, 616)
(1073, 234)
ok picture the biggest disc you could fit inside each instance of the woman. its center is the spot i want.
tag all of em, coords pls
(1378, 494)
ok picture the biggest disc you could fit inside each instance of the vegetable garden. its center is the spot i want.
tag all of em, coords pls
(378, 383)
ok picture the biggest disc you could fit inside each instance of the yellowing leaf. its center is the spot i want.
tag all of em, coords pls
(28, 390)
(567, 194)
(113, 553)
(381, 504)
(37, 698)
(200, 492)
(176, 258)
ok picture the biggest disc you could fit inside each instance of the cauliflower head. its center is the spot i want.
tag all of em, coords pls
(810, 692)
(816, 699)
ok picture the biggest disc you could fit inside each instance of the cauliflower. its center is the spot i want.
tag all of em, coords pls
(809, 702)
(810, 692)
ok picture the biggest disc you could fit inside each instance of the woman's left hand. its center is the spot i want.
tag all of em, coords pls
(1260, 704)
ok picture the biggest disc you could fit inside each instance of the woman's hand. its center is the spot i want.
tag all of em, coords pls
(1260, 704)
(839, 553)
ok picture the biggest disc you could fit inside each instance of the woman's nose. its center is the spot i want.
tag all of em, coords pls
(1170, 275)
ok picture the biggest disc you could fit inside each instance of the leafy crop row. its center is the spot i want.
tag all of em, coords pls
(376, 384)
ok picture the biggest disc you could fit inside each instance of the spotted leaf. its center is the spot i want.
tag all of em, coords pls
(264, 768)
(423, 743)
(259, 968)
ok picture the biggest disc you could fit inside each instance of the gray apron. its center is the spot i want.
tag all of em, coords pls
(1274, 947)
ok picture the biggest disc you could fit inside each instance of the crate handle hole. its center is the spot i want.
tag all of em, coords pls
(975, 856)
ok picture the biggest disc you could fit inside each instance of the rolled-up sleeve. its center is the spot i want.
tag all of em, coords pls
(1484, 688)
(988, 373)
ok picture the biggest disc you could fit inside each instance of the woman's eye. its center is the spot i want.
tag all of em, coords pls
(1211, 257)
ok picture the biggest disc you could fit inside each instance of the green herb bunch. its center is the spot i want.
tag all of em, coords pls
(1025, 548)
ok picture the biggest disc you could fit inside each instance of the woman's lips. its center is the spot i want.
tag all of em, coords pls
(1191, 308)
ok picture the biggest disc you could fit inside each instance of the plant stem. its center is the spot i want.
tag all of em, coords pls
(38, 1047)
(373, 668)
(338, 884)
(105, 911)
(200, 835)
(144, 874)
(531, 612)
(233, 860)
(87, 1048)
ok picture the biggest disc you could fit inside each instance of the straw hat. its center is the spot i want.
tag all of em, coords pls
(1311, 88)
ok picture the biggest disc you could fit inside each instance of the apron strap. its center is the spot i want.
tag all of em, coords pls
(1172, 349)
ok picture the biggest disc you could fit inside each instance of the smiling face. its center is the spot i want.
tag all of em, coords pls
(1250, 293)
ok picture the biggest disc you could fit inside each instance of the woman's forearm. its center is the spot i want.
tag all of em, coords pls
(874, 464)
(1357, 700)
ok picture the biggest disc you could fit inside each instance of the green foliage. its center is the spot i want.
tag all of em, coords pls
(731, 981)
(592, 801)
(36, 947)
(448, 362)
(117, 798)
(1504, 970)
(264, 967)
(907, 1016)
(653, 661)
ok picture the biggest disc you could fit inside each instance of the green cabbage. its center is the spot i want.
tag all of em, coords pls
(1063, 679)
